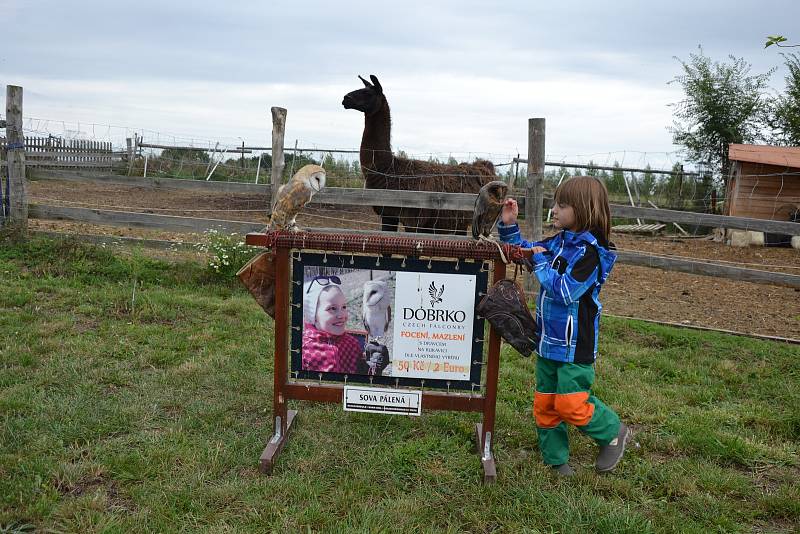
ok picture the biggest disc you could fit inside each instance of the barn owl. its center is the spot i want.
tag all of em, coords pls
(377, 309)
(293, 196)
(488, 206)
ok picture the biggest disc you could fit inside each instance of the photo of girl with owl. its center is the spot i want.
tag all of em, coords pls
(339, 336)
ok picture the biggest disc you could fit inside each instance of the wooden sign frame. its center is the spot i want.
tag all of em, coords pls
(285, 389)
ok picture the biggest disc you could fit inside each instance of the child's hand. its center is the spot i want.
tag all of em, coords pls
(510, 211)
(529, 252)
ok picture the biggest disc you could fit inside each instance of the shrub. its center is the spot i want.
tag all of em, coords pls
(228, 252)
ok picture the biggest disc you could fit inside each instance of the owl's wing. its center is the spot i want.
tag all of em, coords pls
(279, 195)
(493, 212)
(286, 204)
(297, 195)
(305, 194)
(478, 215)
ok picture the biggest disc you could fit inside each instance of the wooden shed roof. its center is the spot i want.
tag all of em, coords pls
(769, 155)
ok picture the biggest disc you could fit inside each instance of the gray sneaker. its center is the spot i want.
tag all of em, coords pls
(563, 470)
(610, 455)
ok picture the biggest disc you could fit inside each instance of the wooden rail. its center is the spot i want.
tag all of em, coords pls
(425, 199)
(156, 183)
(169, 223)
(708, 269)
(174, 223)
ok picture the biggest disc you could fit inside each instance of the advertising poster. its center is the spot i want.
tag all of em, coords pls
(433, 336)
(386, 320)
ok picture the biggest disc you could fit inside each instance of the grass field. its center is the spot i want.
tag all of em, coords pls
(149, 414)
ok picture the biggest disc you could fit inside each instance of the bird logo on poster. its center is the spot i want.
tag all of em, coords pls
(436, 294)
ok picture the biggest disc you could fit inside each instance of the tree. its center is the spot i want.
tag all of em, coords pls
(784, 116)
(616, 184)
(266, 161)
(671, 187)
(648, 181)
(177, 154)
(723, 104)
(777, 40)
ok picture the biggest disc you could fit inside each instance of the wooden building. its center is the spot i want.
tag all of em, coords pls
(765, 182)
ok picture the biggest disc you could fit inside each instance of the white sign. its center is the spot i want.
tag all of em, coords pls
(381, 400)
(434, 315)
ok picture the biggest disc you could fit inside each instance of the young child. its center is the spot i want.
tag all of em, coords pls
(571, 267)
(326, 346)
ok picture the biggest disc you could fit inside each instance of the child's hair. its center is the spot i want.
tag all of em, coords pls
(589, 199)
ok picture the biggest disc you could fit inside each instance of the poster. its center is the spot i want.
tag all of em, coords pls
(389, 321)
(433, 334)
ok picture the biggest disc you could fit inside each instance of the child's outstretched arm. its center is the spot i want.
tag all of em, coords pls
(570, 286)
(508, 228)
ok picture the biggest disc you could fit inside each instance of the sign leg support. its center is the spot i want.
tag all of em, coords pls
(282, 417)
(275, 445)
(484, 432)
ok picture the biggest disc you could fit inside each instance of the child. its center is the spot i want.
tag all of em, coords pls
(326, 346)
(571, 267)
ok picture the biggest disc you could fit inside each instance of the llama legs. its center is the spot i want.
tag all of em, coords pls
(389, 224)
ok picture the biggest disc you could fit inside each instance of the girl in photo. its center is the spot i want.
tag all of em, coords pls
(327, 347)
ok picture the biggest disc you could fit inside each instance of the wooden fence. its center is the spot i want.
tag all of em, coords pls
(58, 153)
(421, 199)
(532, 200)
(172, 223)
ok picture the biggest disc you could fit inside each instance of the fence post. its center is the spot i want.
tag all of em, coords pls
(278, 131)
(534, 187)
(15, 153)
(130, 154)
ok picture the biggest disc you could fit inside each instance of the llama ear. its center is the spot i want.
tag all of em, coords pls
(366, 83)
(376, 83)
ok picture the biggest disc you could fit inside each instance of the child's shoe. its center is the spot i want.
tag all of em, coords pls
(563, 470)
(610, 455)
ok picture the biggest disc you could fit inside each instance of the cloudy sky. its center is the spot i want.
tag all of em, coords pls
(462, 77)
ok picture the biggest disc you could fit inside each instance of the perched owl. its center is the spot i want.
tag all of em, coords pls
(293, 196)
(376, 358)
(377, 309)
(488, 206)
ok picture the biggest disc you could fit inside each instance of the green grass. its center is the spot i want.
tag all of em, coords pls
(149, 415)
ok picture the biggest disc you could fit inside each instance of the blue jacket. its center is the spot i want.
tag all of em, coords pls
(570, 272)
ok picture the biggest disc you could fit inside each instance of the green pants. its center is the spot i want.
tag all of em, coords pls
(563, 395)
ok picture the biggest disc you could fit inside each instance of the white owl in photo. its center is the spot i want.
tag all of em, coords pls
(293, 196)
(377, 309)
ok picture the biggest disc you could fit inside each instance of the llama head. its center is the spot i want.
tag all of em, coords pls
(367, 100)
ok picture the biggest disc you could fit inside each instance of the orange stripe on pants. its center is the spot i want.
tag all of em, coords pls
(574, 408)
(544, 410)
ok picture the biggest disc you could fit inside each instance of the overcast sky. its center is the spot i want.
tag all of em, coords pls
(461, 76)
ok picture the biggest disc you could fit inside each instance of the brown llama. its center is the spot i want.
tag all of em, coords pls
(383, 170)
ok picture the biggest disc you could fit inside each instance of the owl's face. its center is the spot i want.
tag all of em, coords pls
(497, 190)
(315, 181)
(374, 292)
